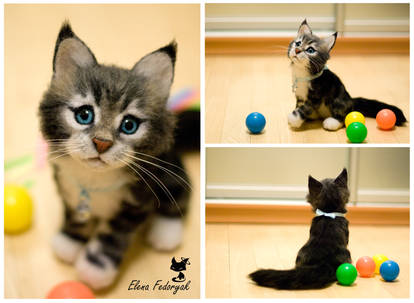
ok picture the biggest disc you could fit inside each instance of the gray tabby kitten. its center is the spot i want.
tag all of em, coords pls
(319, 92)
(326, 249)
(111, 137)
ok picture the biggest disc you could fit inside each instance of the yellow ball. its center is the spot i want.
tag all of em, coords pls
(18, 208)
(354, 117)
(379, 259)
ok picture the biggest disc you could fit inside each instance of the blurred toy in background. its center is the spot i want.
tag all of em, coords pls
(70, 290)
(20, 175)
(18, 209)
(186, 105)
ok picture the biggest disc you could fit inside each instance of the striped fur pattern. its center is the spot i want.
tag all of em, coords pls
(326, 249)
(111, 142)
(323, 97)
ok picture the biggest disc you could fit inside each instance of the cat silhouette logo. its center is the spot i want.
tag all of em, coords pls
(179, 267)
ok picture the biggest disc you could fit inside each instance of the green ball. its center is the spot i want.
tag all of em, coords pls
(356, 132)
(346, 274)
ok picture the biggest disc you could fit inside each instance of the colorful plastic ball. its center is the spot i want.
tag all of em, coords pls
(365, 266)
(356, 132)
(255, 122)
(386, 119)
(346, 274)
(18, 209)
(389, 270)
(70, 290)
(354, 117)
(379, 259)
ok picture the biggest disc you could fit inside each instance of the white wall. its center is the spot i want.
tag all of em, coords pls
(349, 19)
(376, 175)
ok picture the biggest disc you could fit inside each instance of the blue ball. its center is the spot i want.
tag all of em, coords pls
(255, 122)
(389, 270)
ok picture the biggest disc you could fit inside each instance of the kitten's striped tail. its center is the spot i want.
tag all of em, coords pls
(314, 277)
(370, 108)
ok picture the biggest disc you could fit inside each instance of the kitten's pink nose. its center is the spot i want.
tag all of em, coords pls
(297, 51)
(102, 145)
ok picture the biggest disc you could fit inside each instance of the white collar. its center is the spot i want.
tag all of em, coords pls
(83, 209)
(306, 79)
(330, 215)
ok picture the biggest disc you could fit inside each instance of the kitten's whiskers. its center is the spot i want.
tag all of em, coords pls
(152, 157)
(142, 178)
(178, 177)
(159, 183)
(65, 152)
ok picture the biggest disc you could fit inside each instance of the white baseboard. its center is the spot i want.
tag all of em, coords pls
(283, 193)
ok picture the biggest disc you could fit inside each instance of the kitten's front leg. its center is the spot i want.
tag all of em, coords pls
(165, 233)
(166, 230)
(98, 264)
(302, 112)
(68, 242)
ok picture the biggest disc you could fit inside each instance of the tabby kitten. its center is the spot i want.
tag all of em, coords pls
(326, 249)
(319, 92)
(111, 140)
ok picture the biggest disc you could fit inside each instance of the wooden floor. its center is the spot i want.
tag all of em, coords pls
(235, 250)
(240, 84)
(31, 269)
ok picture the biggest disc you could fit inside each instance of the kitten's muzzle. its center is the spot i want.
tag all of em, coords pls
(102, 145)
(297, 51)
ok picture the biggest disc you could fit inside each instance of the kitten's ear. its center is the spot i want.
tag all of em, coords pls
(70, 53)
(304, 29)
(342, 179)
(173, 260)
(330, 41)
(157, 69)
(314, 186)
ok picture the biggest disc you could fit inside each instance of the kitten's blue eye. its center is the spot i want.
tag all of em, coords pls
(297, 43)
(84, 114)
(310, 50)
(129, 125)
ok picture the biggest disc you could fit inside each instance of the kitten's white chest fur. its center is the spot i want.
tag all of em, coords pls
(302, 89)
(300, 72)
(106, 189)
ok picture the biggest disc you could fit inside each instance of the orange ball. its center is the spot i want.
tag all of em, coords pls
(365, 266)
(70, 290)
(386, 119)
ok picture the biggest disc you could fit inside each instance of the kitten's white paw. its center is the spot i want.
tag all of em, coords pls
(66, 248)
(165, 233)
(331, 124)
(97, 274)
(295, 120)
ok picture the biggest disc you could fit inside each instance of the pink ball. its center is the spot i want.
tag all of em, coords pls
(365, 266)
(386, 119)
(70, 290)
